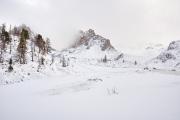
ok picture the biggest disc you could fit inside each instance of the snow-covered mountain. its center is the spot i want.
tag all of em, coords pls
(91, 46)
(170, 57)
(89, 39)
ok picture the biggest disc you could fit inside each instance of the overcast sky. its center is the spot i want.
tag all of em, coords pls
(127, 23)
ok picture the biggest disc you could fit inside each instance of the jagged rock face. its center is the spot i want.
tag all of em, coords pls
(174, 45)
(166, 56)
(172, 52)
(89, 39)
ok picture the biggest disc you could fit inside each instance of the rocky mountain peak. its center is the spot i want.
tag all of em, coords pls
(90, 38)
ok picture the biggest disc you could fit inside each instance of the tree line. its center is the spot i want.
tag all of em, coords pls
(25, 36)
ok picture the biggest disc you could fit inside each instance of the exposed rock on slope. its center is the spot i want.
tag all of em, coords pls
(172, 52)
(170, 57)
(90, 39)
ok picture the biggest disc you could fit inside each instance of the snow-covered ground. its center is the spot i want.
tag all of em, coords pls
(90, 92)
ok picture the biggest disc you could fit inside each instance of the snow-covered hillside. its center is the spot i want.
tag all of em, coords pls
(169, 58)
(33, 65)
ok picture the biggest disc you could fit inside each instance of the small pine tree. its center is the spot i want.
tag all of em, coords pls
(135, 63)
(48, 46)
(10, 68)
(10, 40)
(32, 50)
(64, 62)
(7, 37)
(10, 61)
(42, 61)
(1, 52)
(105, 59)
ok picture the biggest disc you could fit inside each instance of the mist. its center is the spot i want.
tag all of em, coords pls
(128, 24)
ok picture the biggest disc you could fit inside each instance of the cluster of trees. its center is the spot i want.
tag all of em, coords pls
(38, 42)
(25, 36)
(43, 46)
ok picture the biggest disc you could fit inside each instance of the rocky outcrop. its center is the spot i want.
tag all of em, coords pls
(89, 39)
(172, 52)
(175, 45)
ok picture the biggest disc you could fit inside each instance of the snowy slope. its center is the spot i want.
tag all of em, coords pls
(94, 92)
(169, 58)
(28, 71)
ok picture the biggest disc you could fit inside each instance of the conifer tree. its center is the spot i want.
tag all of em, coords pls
(48, 46)
(26, 34)
(10, 68)
(32, 50)
(40, 43)
(5, 38)
(105, 59)
(42, 61)
(64, 62)
(135, 62)
(1, 52)
(22, 46)
(10, 39)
